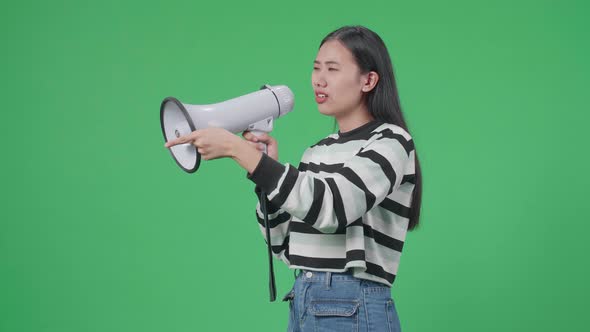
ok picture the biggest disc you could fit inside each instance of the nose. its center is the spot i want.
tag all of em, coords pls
(319, 83)
(317, 79)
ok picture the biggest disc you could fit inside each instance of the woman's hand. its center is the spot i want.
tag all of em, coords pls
(212, 143)
(272, 145)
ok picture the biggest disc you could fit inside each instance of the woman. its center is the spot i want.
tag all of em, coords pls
(341, 217)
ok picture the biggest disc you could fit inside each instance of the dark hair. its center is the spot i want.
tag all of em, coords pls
(370, 54)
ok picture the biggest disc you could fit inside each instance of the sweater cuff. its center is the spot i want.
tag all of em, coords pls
(267, 173)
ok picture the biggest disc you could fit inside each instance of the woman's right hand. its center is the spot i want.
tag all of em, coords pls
(259, 141)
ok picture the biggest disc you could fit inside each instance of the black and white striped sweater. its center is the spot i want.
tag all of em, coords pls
(347, 204)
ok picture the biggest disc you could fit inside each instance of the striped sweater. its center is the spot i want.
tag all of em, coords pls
(346, 206)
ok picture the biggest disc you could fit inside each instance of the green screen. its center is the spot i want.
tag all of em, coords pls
(100, 230)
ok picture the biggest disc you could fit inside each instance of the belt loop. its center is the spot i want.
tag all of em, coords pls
(328, 279)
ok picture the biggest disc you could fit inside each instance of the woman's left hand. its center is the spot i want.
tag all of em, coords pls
(212, 143)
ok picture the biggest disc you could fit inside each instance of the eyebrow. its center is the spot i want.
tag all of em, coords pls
(327, 62)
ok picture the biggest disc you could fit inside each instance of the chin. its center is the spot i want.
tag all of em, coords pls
(325, 110)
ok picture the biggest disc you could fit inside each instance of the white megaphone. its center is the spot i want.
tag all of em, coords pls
(254, 112)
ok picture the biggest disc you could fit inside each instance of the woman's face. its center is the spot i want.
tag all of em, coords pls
(336, 79)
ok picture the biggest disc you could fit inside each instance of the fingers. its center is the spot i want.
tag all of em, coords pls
(182, 140)
(263, 138)
(249, 136)
(176, 141)
(259, 146)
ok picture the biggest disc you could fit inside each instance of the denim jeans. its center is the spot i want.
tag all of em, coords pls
(330, 301)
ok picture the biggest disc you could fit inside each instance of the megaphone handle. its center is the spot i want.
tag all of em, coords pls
(260, 133)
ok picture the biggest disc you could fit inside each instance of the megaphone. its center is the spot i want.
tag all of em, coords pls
(254, 112)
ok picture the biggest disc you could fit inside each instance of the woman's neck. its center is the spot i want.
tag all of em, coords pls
(354, 119)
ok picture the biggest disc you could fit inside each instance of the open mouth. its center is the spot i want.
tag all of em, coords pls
(320, 97)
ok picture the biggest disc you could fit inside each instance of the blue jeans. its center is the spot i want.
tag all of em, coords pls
(330, 301)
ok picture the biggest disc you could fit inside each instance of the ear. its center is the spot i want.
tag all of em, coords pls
(369, 81)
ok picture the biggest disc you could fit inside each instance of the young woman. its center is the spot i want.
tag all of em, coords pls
(341, 217)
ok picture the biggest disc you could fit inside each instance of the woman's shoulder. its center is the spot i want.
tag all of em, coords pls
(392, 130)
(390, 135)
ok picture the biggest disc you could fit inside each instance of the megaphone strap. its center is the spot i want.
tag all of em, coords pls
(271, 273)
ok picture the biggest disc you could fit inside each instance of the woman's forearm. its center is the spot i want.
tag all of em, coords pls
(245, 154)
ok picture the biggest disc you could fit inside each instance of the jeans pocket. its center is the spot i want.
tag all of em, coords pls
(335, 315)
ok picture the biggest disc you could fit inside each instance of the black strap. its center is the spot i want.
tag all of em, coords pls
(271, 272)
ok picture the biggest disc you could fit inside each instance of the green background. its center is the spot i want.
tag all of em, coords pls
(101, 231)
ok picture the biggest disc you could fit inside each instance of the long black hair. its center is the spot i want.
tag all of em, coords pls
(370, 54)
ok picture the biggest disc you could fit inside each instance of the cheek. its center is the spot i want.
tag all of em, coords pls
(348, 90)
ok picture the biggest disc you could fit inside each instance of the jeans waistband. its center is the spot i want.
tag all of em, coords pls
(323, 276)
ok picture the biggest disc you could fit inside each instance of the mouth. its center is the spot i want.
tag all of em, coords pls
(320, 97)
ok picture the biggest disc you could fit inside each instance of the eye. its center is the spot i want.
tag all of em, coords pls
(332, 69)
(315, 68)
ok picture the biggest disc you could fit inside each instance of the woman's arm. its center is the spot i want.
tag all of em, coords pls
(214, 143)
(245, 155)
(338, 198)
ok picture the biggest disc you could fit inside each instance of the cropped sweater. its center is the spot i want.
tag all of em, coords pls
(346, 206)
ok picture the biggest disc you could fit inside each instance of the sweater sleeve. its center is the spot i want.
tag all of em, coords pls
(332, 201)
